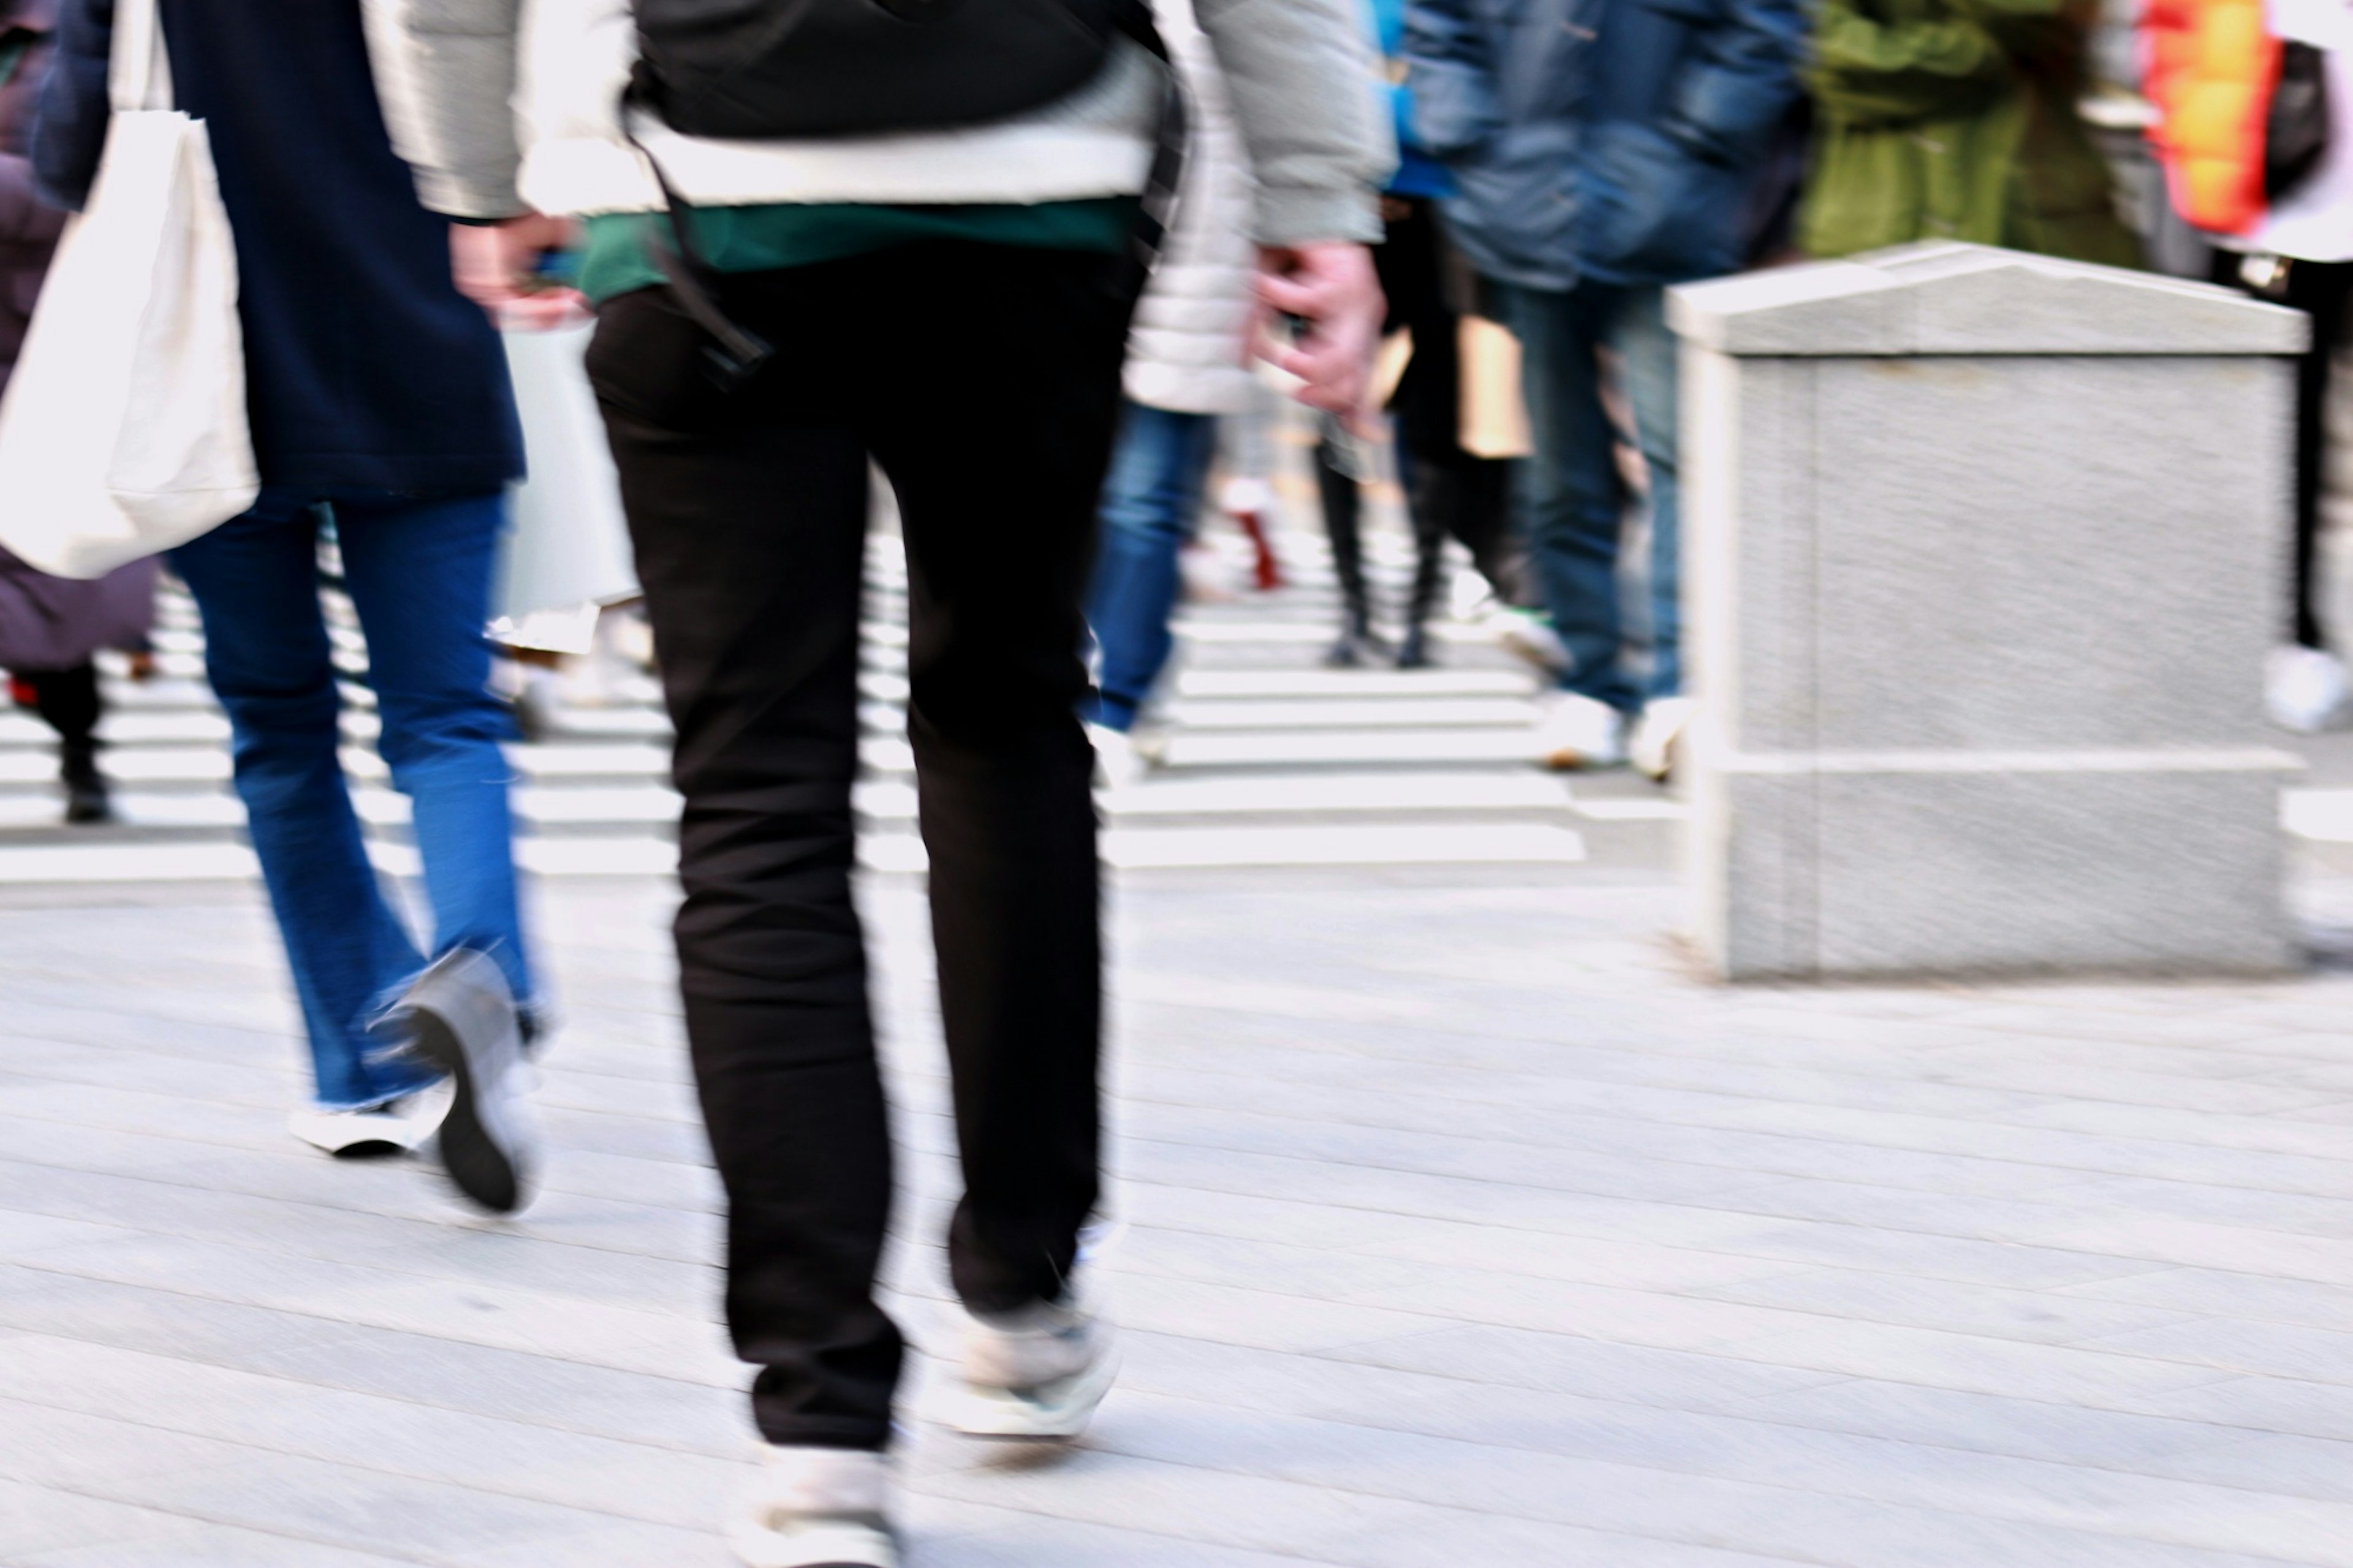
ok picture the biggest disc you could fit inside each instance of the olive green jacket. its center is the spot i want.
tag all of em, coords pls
(1955, 120)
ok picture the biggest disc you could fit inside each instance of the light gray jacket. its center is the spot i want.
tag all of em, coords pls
(506, 105)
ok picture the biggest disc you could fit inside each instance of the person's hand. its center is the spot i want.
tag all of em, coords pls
(1330, 288)
(494, 266)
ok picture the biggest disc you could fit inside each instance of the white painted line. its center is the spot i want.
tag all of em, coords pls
(1351, 746)
(597, 856)
(585, 761)
(1145, 848)
(1354, 683)
(1173, 849)
(128, 863)
(612, 723)
(1325, 791)
(1195, 628)
(1194, 715)
(1630, 808)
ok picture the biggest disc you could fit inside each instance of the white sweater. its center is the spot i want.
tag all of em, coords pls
(1298, 73)
(1185, 350)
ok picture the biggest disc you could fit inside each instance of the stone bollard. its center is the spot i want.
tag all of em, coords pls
(1983, 552)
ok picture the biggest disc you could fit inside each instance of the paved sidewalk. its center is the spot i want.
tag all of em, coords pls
(1460, 1225)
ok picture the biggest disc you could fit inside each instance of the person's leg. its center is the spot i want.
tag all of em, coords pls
(68, 701)
(2320, 289)
(418, 572)
(1573, 496)
(1647, 351)
(254, 580)
(748, 515)
(998, 454)
(1149, 501)
(1343, 506)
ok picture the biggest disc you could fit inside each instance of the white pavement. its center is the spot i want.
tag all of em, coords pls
(1457, 1221)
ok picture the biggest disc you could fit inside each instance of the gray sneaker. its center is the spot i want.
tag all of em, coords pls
(459, 1017)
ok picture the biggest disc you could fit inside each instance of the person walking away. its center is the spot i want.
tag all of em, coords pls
(2255, 131)
(1188, 364)
(1598, 158)
(950, 301)
(380, 408)
(50, 626)
(1449, 492)
(1956, 120)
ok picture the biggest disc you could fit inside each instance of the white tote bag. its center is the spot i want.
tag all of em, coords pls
(566, 550)
(124, 431)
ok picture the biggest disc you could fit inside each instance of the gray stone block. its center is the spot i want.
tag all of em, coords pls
(1889, 873)
(1942, 297)
(1983, 552)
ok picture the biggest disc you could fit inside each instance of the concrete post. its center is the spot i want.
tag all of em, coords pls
(1982, 553)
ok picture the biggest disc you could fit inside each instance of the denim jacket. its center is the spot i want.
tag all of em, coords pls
(1615, 139)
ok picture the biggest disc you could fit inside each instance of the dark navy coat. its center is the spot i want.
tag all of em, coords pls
(365, 365)
(1616, 139)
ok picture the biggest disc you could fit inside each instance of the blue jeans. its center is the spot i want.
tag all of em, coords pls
(1574, 499)
(418, 572)
(1149, 503)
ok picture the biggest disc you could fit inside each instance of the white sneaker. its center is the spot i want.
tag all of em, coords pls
(1525, 637)
(1038, 1373)
(397, 1126)
(1579, 731)
(1652, 746)
(816, 1508)
(1118, 763)
(2304, 688)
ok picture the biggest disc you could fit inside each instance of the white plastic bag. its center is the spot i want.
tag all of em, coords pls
(567, 544)
(125, 432)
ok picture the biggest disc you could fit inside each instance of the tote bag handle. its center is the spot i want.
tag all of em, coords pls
(138, 75)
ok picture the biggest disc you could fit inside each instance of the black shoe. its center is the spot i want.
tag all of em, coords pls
(1413, 653)
(87, 800)
(459, 1017)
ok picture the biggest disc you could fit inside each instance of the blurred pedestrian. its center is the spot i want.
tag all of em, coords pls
(1450, 493)
(2255, 129)
(1188, 364)
(49, 627)
(948, 294)
(380, 408)
(1956, 120)
(1599, 156)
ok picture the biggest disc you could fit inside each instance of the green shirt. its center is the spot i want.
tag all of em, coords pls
(761, 238)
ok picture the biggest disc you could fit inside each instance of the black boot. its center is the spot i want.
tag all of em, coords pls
(86, 795)
(1430, 504)
(1356, 645)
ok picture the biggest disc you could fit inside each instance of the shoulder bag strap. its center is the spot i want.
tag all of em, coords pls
(137, 75)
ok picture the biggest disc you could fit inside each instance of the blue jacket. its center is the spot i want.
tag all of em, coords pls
(1615, 139)
(365, 366)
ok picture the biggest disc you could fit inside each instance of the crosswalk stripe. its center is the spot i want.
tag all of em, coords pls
(1263, 758)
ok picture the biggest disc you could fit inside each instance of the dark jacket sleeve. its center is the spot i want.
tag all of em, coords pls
(70, 132)
(1457, 104)
(1741, 81)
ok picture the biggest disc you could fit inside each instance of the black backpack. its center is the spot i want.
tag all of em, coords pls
(760, 69)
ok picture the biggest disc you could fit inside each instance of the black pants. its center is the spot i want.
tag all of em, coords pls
(1448, 491)
(985, 381)
(2321, 289)
(66, 699)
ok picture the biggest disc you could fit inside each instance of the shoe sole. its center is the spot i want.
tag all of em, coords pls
(482, 1169)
